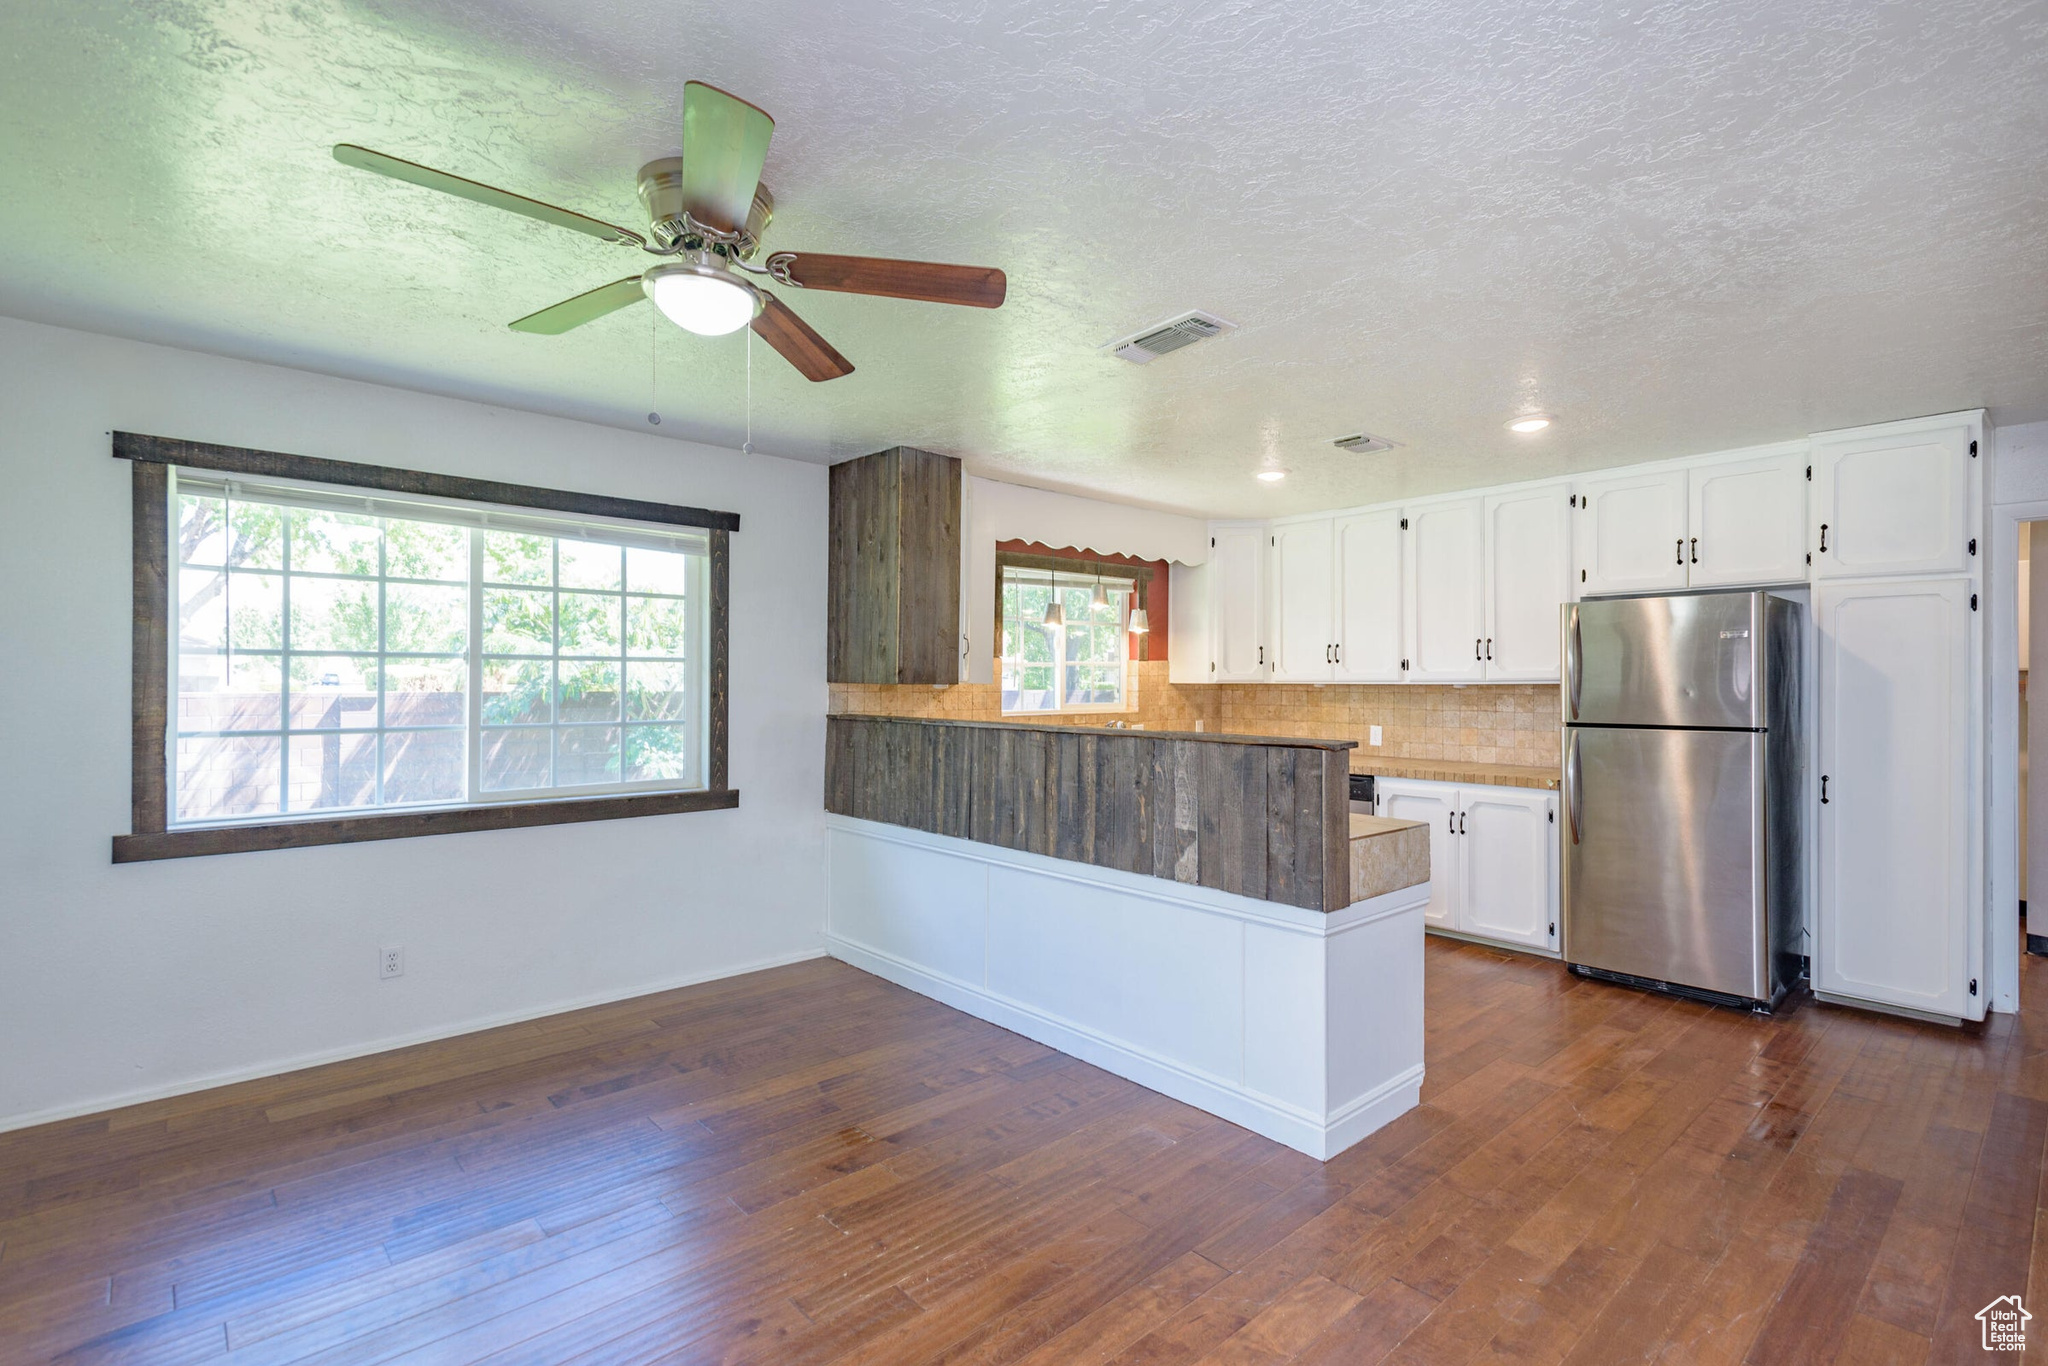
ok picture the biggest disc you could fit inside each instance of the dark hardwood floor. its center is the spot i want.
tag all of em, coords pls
(809, 1165)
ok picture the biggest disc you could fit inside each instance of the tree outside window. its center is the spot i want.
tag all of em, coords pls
(1077, 665)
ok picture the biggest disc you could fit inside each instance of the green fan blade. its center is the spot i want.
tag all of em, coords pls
(725, 142)
(363, 159)
(584, 308)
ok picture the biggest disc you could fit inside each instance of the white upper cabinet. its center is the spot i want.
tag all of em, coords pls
(1237, 603)
(1528, 580)
(1446, 570)
(1893, 500)
(1369, 597)
(1301, 560)
(1631, 533)
(1894, 912)
(1747, 520)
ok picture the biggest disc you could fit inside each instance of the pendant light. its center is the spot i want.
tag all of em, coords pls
(1099, 601)
(1054, 614)
(1139, 625)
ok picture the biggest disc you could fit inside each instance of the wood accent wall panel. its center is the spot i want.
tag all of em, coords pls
(893, 569)
(1267, 819)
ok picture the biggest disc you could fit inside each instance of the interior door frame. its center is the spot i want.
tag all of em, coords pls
(2002, 763)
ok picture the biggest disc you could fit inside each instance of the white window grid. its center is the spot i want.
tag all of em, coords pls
(694, 724)
(1122, 593)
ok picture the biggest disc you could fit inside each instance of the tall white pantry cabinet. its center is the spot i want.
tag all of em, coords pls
(1883, 524)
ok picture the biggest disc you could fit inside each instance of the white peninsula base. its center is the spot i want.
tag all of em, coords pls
(1301, 1025)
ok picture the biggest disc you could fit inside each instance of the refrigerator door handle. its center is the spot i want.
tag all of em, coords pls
(1574, 809)
(1575, 649)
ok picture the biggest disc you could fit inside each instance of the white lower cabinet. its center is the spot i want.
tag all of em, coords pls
(1894, 915)
(1492, 857)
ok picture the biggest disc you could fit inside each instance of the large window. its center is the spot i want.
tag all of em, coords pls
(1078, 660)
(329, 658)
(397, 655)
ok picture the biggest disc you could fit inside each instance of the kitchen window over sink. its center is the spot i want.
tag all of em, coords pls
(1075, 658)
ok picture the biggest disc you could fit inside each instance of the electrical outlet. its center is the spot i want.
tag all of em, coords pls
(1374, 737)
(391, 963)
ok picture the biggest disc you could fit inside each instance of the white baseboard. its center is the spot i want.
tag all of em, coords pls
(142, 1096)
(1262, 1114)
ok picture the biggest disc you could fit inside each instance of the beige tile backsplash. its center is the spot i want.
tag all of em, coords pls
(1483, 724)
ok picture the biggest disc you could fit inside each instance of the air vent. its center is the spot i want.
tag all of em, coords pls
(1363, 443)
(1142, 348)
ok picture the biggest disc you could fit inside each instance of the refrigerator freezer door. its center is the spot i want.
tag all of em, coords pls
(1676, 661)
(1663, 857)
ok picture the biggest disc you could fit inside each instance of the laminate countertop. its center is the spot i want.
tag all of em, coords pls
(1456, 771)
(1387, 855)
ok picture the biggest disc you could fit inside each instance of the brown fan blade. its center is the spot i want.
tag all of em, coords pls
(794, 340)
(363, 159)
(975, 286)
(725, 143)
(586, 307)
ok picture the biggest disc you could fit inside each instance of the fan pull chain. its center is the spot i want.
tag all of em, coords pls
(747, 448)
(653, 367)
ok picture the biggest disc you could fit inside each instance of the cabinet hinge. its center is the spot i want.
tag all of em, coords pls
(1973, 456)
(1553, 929)
(1582, 576)
(1404, 666)
(1809, 557)
(1973, 545)
(1973, 602)
(1973, 986)
(1809, 474)
(1553, 817)
(1212, 543)
(1404, 524)
(1575, 500)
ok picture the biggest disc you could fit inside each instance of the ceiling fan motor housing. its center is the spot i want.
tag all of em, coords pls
(661, 191)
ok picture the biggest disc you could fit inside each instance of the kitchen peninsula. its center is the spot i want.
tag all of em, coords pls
(1199, 913)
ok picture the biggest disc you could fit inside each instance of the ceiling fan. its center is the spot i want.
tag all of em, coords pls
(709, 211)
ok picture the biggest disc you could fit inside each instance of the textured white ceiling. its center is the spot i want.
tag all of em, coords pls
(1679, 226)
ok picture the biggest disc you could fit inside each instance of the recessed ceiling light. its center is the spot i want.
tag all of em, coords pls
(1271, 476)
(1534, 422)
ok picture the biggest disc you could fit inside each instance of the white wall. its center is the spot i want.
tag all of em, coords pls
(121, 982)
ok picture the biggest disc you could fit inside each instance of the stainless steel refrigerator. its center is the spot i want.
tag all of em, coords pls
(1684, 767)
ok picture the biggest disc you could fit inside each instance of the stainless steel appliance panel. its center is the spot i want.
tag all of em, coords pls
(1671, 661)
(1664, 874)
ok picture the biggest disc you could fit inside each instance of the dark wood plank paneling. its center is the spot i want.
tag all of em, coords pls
(719, 671)
(1287, 841)
(861, 571)
(201, 455)
(1241, 814)
(981, 787)
(928, 567)
(239, 839)
(893, 569)
(150, 645)
(1335, 818)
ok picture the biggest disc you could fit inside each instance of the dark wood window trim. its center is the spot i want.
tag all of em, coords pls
(150, 838)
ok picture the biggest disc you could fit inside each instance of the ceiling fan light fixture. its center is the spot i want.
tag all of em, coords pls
(702, 298)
